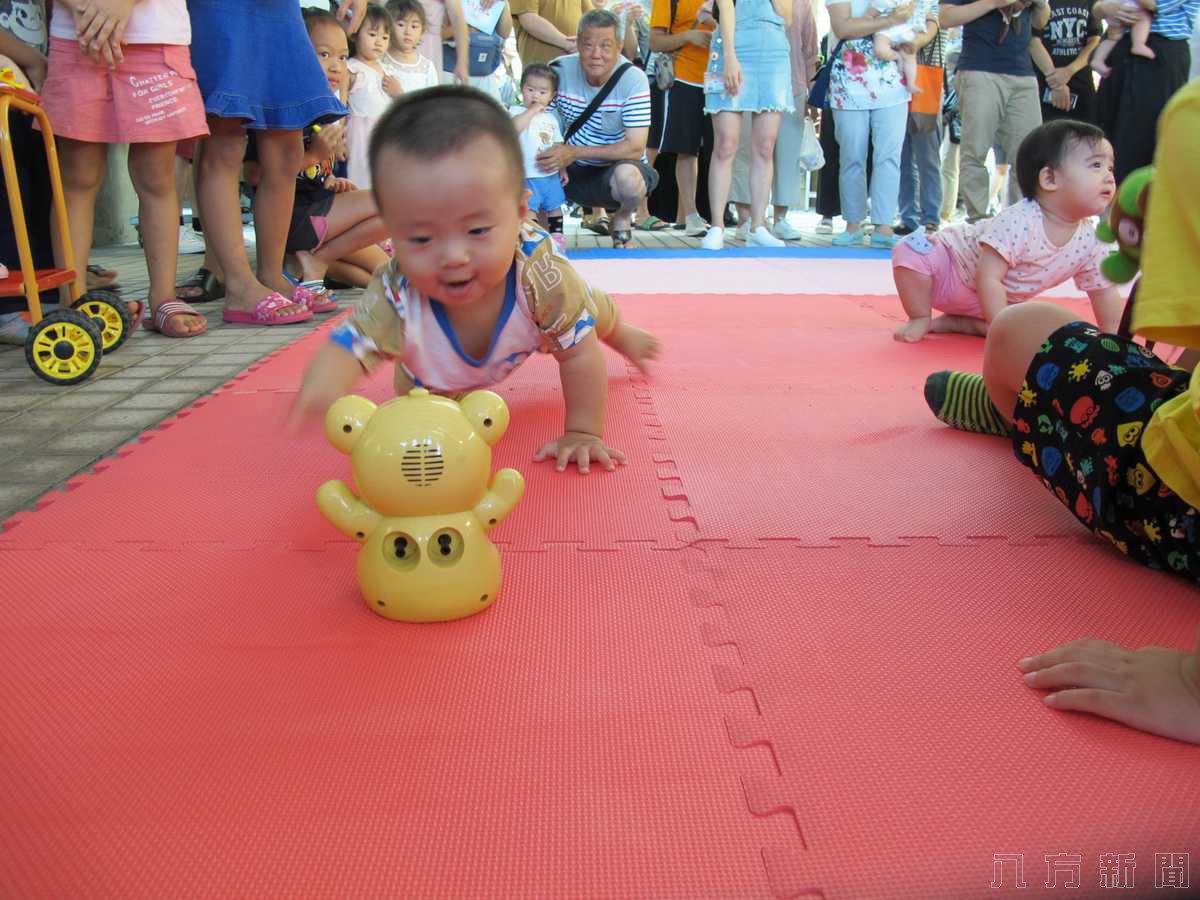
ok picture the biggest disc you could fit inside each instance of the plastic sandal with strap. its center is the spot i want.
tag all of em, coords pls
(313, 294)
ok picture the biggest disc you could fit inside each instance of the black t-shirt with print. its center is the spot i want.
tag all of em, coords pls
(1071, 25)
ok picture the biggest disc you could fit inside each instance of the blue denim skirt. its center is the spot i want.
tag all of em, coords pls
(254, 62)
(765, 58)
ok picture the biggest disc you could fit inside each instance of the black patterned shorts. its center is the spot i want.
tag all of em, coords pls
(1087, 397)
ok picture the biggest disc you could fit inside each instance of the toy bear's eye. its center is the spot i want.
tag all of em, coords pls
(445, 547)
(401, 551)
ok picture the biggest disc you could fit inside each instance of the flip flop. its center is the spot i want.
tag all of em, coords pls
(160, 322)
(654, 223)
(206, 283)
(99, 277)
(598, 226)
(621, 239)
(262, 314)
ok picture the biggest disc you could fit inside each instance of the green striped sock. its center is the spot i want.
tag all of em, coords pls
(961, 400)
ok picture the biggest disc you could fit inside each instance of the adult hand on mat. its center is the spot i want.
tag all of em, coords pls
(1155, 689)
(582, 448)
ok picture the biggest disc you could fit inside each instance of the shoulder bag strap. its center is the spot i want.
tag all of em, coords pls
(600, 97)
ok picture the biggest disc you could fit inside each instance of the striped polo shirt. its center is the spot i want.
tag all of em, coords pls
(1174, 19)
(626, 106)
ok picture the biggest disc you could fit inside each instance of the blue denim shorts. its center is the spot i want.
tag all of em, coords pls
(548, 194)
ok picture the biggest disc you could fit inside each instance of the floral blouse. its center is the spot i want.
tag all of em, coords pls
(859, 79)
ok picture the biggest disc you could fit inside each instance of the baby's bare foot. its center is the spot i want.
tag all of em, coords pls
(637, 346)
(913, 330)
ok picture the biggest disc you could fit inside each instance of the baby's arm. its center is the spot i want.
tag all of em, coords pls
(585, 395)
(1155, 689)
(331, 375)
(1108, 305)
(522, 120)
(989, 282)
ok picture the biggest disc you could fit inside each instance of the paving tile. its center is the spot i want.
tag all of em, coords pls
(97, 441)
(179, 385)
(17, 399)
(77, 400)
(15, 496)
(164, 403)
(153, 369)
(123, 383)
(134, 419)
(45, 467)
(47, 419)
(16, 439)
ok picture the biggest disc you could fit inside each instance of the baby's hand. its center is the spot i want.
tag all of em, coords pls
(1155, 689)
(392, 86)
(582, 448)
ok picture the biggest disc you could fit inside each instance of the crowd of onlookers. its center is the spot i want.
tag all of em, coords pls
(713, 113)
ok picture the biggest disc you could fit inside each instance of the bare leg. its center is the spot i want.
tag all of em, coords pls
(883, 46)
(916, 296)
(908, 63)
(1100, 57)
(1014, 339)
(687, 173)
(217, 186)
(948, 324)
(353, 223)
(1139, 32)
(764, 129)
(152, 171)
(727, 131)
(280, 154)
(629, 189)
(350, 274)
(83, 166)
(643, 212)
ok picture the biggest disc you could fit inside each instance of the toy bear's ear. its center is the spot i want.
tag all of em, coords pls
(487, 412)
(346, 419)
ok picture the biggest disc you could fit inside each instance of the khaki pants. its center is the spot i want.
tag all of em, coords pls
(996, 109)
(787, 185)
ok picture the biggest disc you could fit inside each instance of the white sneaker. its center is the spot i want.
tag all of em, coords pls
(190, 240)
(694, 225)
(760, 237)
(714, 239)
(743, 231)
(786, 231)
(826, 227)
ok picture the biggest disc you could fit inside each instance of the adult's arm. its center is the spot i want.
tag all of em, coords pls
(951, 15)
(846, 28)
(925, 38)
(543, 30)
(783, 8)
(462, 39)
(632, 146)
(1041, 13)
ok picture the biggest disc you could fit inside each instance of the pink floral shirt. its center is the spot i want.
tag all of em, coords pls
(859, 79)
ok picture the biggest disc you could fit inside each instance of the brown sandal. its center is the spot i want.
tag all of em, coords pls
(160, 321)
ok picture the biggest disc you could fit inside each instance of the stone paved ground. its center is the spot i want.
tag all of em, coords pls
(49, 433)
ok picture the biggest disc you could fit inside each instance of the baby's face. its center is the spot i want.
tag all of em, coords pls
(408, 32)
(371, 41)
(536, 90)
(1088, 184)
(332, 49)
(454, 221)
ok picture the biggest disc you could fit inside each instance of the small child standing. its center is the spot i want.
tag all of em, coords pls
(539, 131)
(972, 271)
(149, 100)
(372, 89)
(1139, 34)
(404, 61)
(896, 42)
(473, 290)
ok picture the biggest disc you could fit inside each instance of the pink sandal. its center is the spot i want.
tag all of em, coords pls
(263, 312)
(161, 320)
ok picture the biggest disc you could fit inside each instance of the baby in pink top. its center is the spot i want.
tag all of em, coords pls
(970, 272)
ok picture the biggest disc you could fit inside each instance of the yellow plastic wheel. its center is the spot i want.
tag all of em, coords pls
(111, 315)
(64, 347)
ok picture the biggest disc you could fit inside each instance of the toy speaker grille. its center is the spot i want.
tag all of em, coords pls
(422, 466)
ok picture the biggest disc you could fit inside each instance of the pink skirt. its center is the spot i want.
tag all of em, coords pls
(150, 98)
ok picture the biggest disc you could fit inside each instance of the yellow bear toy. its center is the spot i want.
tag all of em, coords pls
(421, 465)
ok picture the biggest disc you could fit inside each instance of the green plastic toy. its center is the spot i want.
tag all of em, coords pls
(1125, 226)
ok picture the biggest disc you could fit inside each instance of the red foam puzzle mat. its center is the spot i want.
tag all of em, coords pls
(772, 656)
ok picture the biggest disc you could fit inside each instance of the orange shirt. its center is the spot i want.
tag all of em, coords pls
(690, 60)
